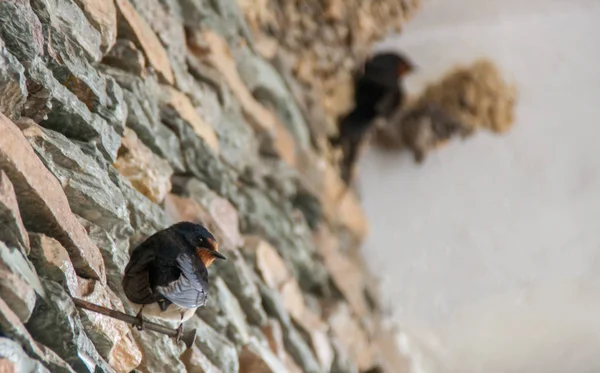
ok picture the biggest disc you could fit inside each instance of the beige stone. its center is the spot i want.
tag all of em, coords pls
(226, 217)
(196, 362)
(351, 336)
(217, 54)
(284, 144)
(123, 354)
(126, 56)
(274, 334)
(309, 322)
(183, 105)
(12, 230)
(340, 205)
(153, 49)
(269, 263)
(13, 328)
(224, 228)
(17, 292)
(52, 261)
(42, 202)
(214, 49)
(102, 14)
(6, 366)
(256, 358)
(147, 172)
(347, 275)
(393, 360)
(274, 272)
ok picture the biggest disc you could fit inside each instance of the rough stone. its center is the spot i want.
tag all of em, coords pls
(43, 205)
(223, 305)
(146, 218)
(386, 344)
(268, 88)
(13, 88)
(12, 327)
(351, 336)
(268, 262)
(346, 274)
(102, 14)
(165, 19)
(115, 252)
(88, 187)
(18, 263)
(309, 323)
(343, 362)
(112, 338)
(132, 24)
(218, 350)
(12, 230)
(340, 205)
(148, 173)
(160, 353)
(294, 343)
(144, 116)
(70, 30)
(300, 351)
(274, 335)
(75, 46)
(62, 111)
(51, 260)
(262, 215)
(237, 276)
(56, 324)
(21, 30)
(125, 55)
(14, 359)
(257, 358)
(221, 212)
(216, 103)
(263, 121)
(182, 104)
(196, 362)
(15, 288)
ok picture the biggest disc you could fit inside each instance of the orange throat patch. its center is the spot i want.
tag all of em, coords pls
(205, 256)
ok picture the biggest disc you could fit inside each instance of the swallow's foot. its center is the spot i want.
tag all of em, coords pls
(140, 323)
(179, 333)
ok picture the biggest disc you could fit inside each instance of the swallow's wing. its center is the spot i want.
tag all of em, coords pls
(136, 281)
(189, 289)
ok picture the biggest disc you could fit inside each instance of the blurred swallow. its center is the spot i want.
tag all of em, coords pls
(378, 92)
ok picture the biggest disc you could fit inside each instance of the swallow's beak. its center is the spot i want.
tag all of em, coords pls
(406, 68)
(219, 255)
(214, 246)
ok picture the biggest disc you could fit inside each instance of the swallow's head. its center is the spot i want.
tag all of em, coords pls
(388, 63)
(204, 243)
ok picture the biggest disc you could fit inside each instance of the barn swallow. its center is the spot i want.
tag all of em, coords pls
(167, 274)
(377, 93)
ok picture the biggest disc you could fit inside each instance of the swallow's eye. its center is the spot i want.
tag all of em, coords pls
(200, 241)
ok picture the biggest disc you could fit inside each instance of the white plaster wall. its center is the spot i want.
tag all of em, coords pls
(492, 247)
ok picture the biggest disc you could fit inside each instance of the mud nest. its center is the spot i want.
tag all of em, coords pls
(464, 100)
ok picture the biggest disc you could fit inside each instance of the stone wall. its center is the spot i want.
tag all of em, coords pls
(120, 118)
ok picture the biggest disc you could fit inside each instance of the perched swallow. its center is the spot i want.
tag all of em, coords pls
(167, 274)
(377, 93)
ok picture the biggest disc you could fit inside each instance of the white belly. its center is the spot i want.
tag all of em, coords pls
(172, 313)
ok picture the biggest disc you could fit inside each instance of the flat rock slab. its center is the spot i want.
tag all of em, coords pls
(43, 204)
